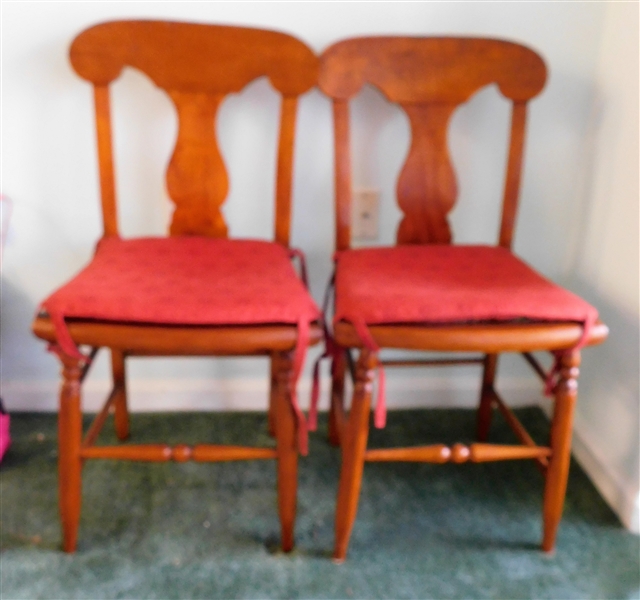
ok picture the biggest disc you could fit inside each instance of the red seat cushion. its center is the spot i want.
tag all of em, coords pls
(448, 284)
(186, 281)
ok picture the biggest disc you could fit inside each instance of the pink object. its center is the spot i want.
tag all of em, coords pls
(446, 284)
(188, 281)
(5, 438)
(5, 216)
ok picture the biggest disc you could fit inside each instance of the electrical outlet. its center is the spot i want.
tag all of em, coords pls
(364, 214)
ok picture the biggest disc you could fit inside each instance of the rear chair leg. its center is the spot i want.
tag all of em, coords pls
(286, 429)
(121, 412)
(486, 402)
(566, 394)
(336, 410)
(354, 445)
(273, 389)
(69, 461)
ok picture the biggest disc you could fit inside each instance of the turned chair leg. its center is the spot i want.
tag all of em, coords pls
(354, 445)
(485, 409)
(69, 461)
(287, 447)
(121, 412)
(336, 410)
(273, 390)
(566, 393)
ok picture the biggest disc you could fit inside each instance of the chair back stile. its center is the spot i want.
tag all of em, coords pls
(514, 172)
(284, 174)
(102, 102)
(429, 78)
(211, 62)
(342, 174)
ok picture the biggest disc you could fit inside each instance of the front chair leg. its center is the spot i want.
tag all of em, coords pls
(486, 397)
(354, 445)
(284, 421)
(121, 412)
(69, 442)
(566, 393)
(336, 410)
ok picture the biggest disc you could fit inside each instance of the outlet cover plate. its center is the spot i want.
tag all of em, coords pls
(365, 214)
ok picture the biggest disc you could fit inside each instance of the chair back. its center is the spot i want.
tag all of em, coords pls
(197, 65)
(428, 78)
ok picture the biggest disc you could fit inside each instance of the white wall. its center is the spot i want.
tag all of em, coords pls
(577, 224)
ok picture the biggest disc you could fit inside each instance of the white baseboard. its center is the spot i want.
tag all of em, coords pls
(619, 495)
(242, 394)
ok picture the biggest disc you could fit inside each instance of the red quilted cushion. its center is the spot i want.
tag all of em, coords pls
(446, 284)
(186, 281)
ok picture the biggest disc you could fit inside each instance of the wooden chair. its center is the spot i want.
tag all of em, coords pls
(195, 292)
(427, 295)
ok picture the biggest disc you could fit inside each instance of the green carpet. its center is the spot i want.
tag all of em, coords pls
(211, 530)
